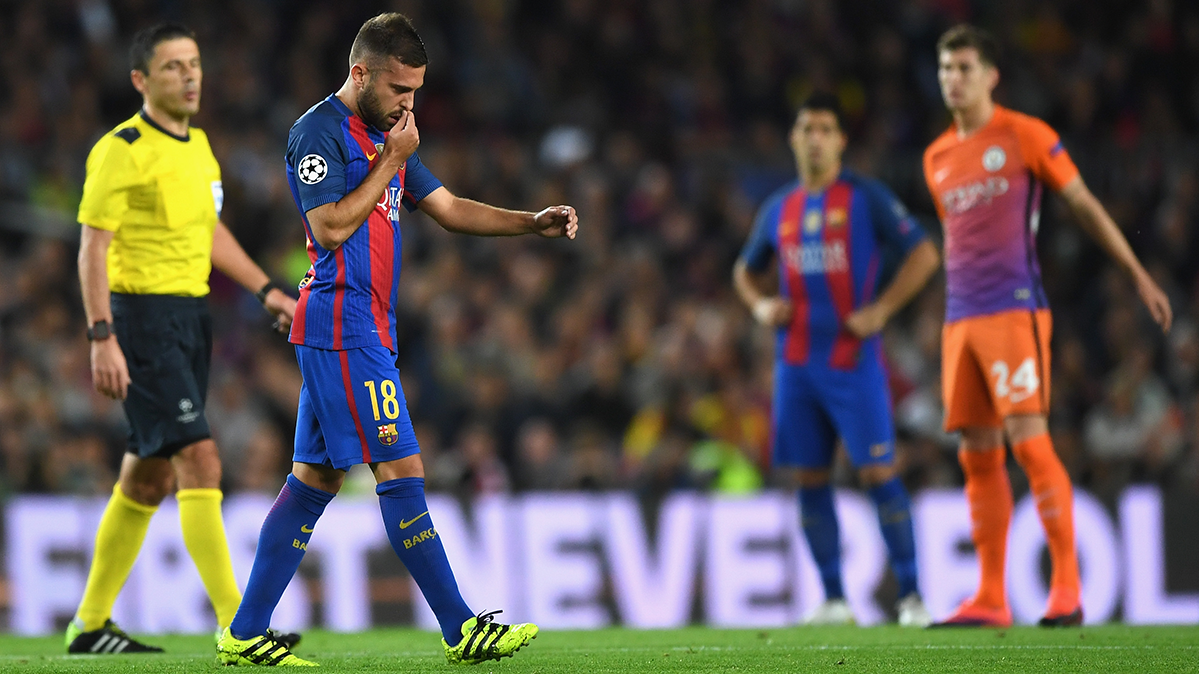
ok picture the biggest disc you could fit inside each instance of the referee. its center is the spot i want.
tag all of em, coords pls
(151, 235)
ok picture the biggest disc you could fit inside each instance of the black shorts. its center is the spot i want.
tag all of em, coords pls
(167, 341)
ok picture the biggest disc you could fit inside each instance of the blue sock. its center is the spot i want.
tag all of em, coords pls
(281, 545)
(824, 538)
(410, 528)
(895, 520)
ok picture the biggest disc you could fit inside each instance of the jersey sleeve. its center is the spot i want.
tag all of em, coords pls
(928, 180)
(894, 226)
(419, 182)
(1044, 153)
(760, 247)
(111, 172)
(317, 155)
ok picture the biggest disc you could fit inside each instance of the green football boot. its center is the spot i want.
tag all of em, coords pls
(289, 639)
(483, 640)
(262, 650)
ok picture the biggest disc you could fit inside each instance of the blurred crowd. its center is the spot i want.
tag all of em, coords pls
(622, 359)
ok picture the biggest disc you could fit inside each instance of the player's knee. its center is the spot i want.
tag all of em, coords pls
(1024, 427)
(409, 466)
(325, 478)
(198, 465)
(877, 474)
(980, 439)
(147, 489)
(146, 481)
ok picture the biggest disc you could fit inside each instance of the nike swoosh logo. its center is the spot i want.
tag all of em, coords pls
(371, 157)
(306, 529)
(404, 524)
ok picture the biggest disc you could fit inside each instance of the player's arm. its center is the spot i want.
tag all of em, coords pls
(768, 308)
(1095, 221)
(110, 372)
(333, 223)
(895, 229)
(466, 216)
(917, 268)
(229, 257)
(749, 277)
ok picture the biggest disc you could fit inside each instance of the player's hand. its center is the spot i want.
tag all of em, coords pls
(557, 221)
(773, 311)
(1155, 300)
(867, 321)
(282, 307)
(110, 372)
(402, 140)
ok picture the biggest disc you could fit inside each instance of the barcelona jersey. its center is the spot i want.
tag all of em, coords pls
(829, 248)
(347, 299)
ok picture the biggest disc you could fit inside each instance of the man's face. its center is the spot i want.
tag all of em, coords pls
(965, 79)
(173, 83)
(387, 91)
(817, 140)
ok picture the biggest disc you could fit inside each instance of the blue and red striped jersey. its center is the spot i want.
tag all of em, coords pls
(830, 246)
(347, 298)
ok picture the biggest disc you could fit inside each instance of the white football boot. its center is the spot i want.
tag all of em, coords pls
(831, 612)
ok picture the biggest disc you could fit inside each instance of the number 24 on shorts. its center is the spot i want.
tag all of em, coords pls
(391, 405)
(1019, 385)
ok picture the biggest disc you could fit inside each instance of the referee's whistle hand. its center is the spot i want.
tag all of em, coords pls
(110, 372)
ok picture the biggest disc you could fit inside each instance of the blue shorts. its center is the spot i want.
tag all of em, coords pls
(352, 409)
(813, 405)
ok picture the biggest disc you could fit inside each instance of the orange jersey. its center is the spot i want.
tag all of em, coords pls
(987, 188)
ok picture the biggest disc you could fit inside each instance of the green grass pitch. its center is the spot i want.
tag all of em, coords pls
(840, 650)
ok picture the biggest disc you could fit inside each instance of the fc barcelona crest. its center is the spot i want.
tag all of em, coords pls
(388, 435)
(812, 222)
(837, 217)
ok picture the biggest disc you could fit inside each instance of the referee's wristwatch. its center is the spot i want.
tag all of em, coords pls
(98, 331)
(265, 290)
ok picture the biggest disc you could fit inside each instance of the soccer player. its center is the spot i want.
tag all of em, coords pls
(351, 163)
(829, 233)
(151, 234)
(986, 174)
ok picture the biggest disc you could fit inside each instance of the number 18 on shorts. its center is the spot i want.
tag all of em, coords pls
(352, 408)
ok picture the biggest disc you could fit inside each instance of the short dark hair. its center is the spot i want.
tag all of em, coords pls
(965, 36)
(389, 35)
(824, 101)
(142, 49)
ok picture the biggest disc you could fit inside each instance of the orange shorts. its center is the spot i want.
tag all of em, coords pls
(995, 366)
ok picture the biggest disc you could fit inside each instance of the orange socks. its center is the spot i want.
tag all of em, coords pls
(989, 494)
(1054, 497)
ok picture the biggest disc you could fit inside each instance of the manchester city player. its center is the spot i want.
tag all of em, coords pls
(351, 162)
(829, 233)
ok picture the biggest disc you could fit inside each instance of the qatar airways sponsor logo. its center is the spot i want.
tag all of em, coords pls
(389, 203)
(817, 258)
(978, 193)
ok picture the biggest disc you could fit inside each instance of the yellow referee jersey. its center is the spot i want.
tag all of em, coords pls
(161, 195)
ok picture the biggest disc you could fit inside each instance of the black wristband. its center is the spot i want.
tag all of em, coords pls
(266, 289)
(98, 331)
